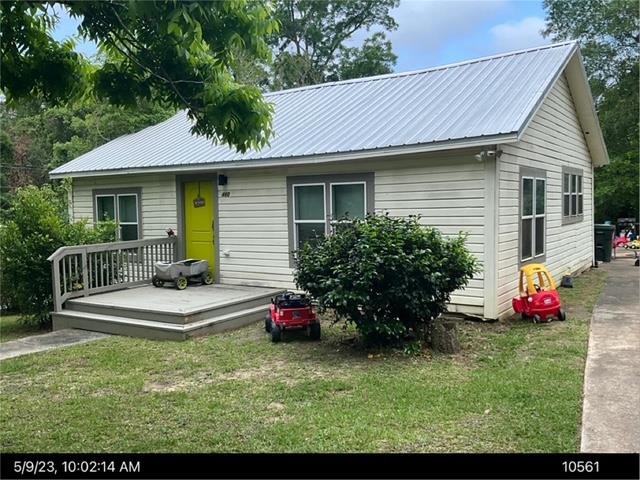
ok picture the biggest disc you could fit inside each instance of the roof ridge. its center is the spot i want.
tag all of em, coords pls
(374, 78)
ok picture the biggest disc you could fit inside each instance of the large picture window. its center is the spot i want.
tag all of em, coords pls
(121, 206)
(532, 217)
(572, 196)
(321, 204)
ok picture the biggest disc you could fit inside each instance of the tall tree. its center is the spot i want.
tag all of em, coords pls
(609, 33)
(375, 57)
(35, 139)
(179, 53)
(312, 40)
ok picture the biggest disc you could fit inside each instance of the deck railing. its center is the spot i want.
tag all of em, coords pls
(82, 270)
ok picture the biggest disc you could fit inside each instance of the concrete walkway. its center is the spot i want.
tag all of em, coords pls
(47, 341)
(611, 414)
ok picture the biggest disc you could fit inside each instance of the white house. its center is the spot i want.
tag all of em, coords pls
(501, 147)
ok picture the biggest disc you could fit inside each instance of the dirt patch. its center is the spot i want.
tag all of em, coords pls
(458, 436)
(276, 370)
(166, 386)
(102, 392)
(276, 406)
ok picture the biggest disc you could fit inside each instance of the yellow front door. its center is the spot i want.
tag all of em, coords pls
(199, 222)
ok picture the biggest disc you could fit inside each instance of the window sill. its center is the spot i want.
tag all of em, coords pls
(573, 219)
(539, 259)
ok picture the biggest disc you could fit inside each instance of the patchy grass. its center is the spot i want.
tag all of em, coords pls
(515, 387)
(12, 329)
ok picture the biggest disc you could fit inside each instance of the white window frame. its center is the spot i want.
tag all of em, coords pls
(137, 222)
(333, 221)
(566, 194)
(293, 210)
(116, 208)
(573, 190)
(533, 217)
(365, 178)
(580, 195)
(537, 215)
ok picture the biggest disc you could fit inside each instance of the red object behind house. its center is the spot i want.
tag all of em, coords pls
(622, 240)
(538, 300)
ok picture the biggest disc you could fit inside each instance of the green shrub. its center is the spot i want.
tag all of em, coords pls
(389, 276)
(34, 227)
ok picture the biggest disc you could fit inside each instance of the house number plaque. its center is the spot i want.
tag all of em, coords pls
(199, 201)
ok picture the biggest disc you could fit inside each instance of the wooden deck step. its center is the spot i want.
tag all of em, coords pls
(143, 328)
(171, 317)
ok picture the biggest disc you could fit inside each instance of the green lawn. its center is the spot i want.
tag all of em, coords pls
(515, 387)
(12, 329)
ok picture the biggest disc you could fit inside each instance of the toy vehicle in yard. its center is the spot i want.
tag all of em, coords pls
(620, 241)
(179, 273)
(291, 310)
(633, 244)
(538, 300)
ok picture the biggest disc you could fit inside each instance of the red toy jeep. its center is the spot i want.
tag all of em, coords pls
(291, 310)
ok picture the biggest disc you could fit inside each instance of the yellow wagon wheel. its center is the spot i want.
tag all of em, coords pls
(207, 278)
(181, 283)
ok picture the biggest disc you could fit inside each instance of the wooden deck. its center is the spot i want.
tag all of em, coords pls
(166, 313)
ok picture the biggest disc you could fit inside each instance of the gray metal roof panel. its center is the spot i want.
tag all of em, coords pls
(479, 98)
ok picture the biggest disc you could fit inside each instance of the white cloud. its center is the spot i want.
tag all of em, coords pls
(519, 34)
(430, 24)
(427, 29)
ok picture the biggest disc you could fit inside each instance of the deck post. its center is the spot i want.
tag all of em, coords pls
(55, 270)
(85, 273)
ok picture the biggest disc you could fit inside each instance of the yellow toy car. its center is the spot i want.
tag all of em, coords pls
(538, 300)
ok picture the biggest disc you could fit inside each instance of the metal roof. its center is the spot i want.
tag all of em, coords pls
(487, 98)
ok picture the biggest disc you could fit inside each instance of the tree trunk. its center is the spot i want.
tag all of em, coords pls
(444, 336)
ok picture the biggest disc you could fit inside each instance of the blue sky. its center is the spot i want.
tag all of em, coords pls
(437, 32)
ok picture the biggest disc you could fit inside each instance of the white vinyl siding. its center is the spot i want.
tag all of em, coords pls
(447, 190)
(157, 202)
(449, 195)
(553, 140)
(252, 227)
